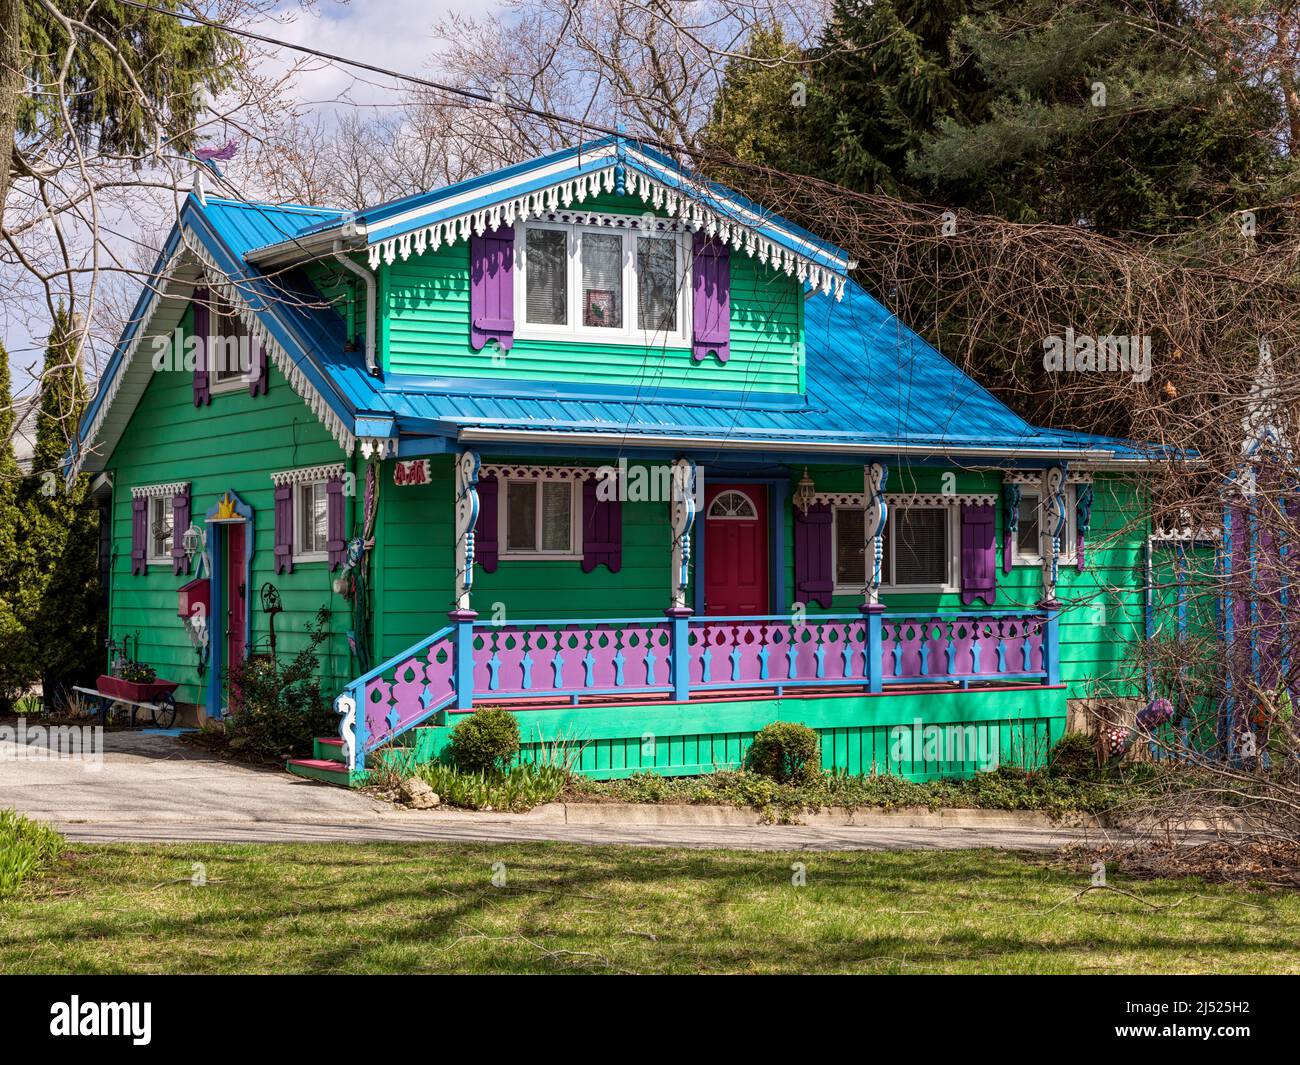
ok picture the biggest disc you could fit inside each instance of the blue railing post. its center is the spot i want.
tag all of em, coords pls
(464, 644)
(874, 613)
(681, 652)
(1052, 641)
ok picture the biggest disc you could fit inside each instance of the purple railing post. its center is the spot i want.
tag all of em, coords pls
(464, 644)
(874, 614)
(681, 652)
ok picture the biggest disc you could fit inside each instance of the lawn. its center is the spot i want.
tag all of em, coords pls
(375, 908)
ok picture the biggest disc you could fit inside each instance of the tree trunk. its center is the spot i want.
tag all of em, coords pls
(11, 84)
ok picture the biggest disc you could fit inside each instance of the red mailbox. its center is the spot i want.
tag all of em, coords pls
(196, 595)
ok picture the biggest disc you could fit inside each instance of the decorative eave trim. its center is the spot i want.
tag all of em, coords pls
(84, 444)
(519, 472)
(688, 211)
(904, 499)
(1035, 477)
(307, 473)
(151, 491)
(1186, 535)
(216, 279)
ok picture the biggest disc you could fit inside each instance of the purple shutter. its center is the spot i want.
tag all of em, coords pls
(813, 579)
(284, 528)
(335, 544)
(180, 522)
(492, 288)
(485, 532)
(979, 561)
(711, 309)
(257, 384)
(602, 530)
(139, 536)
(202, 393)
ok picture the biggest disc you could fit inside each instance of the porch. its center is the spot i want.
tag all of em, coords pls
(683, 694)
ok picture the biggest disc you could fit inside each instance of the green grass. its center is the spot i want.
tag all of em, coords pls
(25, 848)
(371, 908)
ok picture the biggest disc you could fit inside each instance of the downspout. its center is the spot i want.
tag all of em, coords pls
(369, 280)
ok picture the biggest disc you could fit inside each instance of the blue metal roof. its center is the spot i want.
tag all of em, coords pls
(873, 385)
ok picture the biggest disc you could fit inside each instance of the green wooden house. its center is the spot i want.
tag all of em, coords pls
(612, 446)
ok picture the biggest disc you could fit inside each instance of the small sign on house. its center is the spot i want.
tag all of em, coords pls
(416, 471)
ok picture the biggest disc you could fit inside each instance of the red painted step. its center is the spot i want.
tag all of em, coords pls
(318, 763)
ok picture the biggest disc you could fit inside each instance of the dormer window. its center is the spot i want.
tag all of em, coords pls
(605, 278)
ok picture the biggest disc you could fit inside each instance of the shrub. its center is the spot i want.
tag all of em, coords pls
(520, 788)
(1074, 757)
(25, 847)
(486, 740)
(786, 752)
(276, 711)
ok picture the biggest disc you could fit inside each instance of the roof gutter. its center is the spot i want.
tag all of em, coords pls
(369, 280)
(513, 436)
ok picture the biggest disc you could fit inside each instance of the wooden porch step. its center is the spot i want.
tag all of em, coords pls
(329, 748)
(329, 770)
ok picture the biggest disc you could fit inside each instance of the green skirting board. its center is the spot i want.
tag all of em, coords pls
(916, 735)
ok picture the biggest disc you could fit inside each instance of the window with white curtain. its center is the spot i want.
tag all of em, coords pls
(540, 520)
(1033, 520)
(617, 284)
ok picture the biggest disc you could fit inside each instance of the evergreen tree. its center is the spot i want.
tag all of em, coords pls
(17, 669)
(57, 548)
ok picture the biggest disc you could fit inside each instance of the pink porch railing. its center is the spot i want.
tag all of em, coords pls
(630, 656)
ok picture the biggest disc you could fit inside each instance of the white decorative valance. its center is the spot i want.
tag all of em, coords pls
(538, 473)
(149, 491)
(904, 499)
(1034, 478)
(736, 226)
(307, 474)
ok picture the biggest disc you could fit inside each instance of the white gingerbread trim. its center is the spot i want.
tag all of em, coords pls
(232, 293)
(513, 472)
(306, 474)
(735, 226)
(1035, 477)
(149, 491)
(903, 499)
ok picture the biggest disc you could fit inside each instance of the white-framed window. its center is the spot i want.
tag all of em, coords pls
(229, 348)
(160, 528)
(619, 284)
(1033, 519)
(311, 523)
(539, 518)
(919, 549)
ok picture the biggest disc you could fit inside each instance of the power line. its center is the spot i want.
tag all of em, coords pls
(428, 83)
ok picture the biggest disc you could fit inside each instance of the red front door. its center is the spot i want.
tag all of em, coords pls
(735, 549)
(236, 593)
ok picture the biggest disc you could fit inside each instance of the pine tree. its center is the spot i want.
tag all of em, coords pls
(58, 601)
(17, 667)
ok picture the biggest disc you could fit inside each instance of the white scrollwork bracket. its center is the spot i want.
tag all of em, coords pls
(467, 511)
(683, 517)
(1054, 513)
(345, 706)
(877, 513)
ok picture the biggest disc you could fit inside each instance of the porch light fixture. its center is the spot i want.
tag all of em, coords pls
(805, 492)
(193, 541)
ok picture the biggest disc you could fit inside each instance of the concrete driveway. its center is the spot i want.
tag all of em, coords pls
(154, 788)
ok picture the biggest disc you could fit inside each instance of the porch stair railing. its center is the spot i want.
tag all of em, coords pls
(481, 661)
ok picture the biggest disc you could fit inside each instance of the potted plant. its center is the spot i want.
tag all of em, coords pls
(136, 682)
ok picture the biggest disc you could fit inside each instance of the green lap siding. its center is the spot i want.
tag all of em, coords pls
(235, 444)
(426, 331)
(1102, 623)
